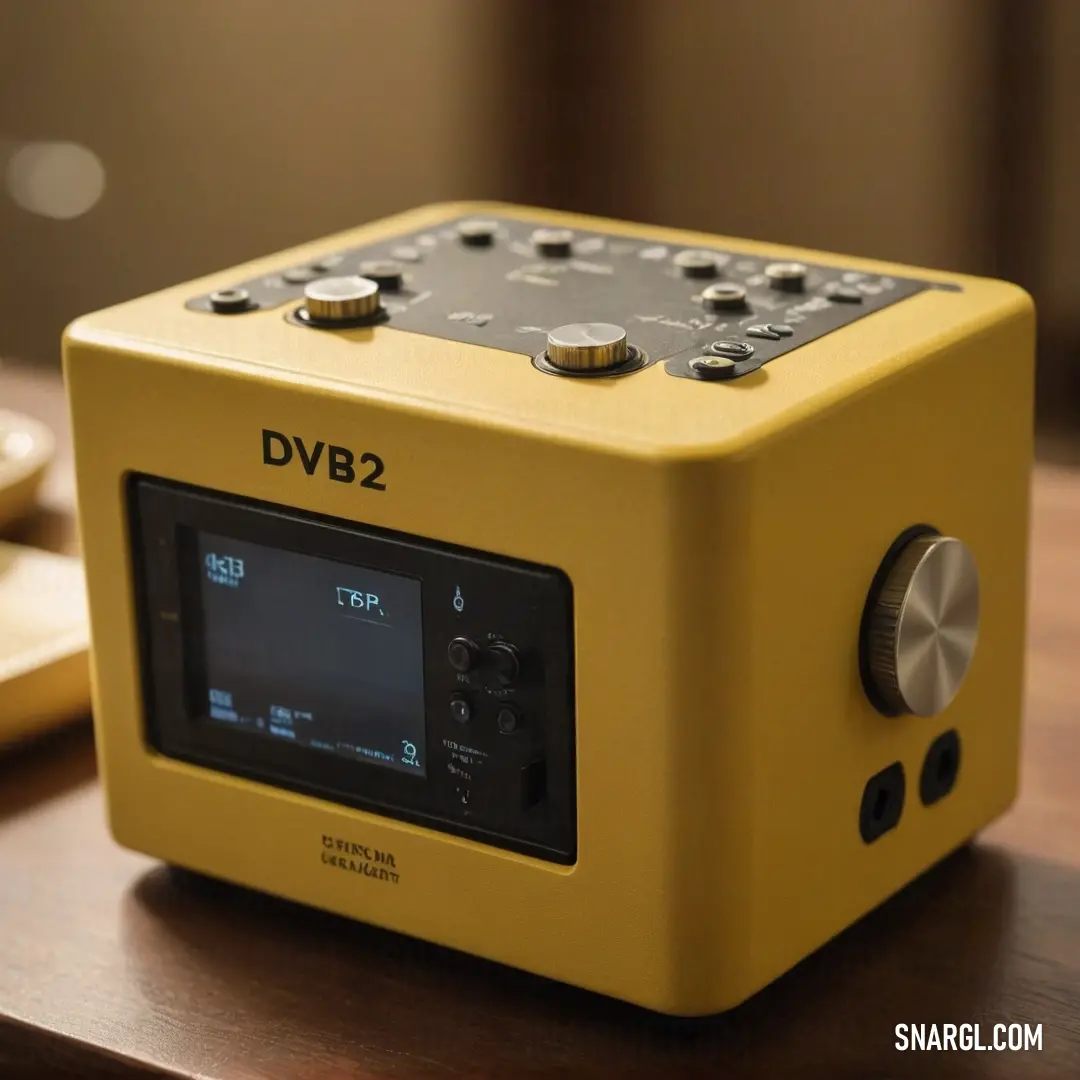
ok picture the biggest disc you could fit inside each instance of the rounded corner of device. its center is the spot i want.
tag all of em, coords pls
(79, 332)
(117, 824)
(1019, 298)
(1002, 292)
(723, 453)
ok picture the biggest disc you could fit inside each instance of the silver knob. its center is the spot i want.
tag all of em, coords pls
(786, 276)
(924, 626)
(477, 232)
(341, 298)
(587, 346)
(724, 296)
(698, 264)
(553, 242)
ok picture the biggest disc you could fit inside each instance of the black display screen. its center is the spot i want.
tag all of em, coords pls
(312, 651)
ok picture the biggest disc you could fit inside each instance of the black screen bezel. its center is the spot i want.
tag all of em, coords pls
(165, 518)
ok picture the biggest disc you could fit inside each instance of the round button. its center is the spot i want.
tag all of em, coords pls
(554, 243)
(386, 273)
(477, 232)
(508, 719)
(503, 657)
(341, 299)
(298, 275)
(328, 262)
(230, 301)
(587, 346)
(786, 276)
(734, 350)
(462, 654)
(713, 367)
(698, 264)
(924, 626)
(460, 709)
(724, 296)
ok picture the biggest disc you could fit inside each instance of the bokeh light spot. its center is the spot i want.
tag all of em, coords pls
(60, 180)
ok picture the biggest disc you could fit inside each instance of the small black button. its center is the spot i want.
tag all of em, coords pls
(503, 657)
(477, 233)
(780, 328)
(460, 709)
(230, 301)
(844, 294)
(462, 654)
(386, 273)
(554, 243)
(533, 783)
(508, 719)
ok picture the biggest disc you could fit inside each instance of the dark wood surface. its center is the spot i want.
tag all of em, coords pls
(112, 965)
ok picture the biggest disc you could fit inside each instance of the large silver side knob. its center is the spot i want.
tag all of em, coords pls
(924, 625)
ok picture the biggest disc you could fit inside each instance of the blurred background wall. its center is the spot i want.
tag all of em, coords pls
(228, 130)
(944, 133)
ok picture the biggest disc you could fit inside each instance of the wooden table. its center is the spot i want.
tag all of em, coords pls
(111, 965)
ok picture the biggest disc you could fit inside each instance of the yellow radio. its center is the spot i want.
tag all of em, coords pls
(632, 606)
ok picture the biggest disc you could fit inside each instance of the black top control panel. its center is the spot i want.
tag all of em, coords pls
(706, 314)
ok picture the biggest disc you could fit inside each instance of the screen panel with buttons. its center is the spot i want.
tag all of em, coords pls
(419, 681)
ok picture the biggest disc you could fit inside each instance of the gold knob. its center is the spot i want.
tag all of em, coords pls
(587, 346)
(341, 299)
(924, 626)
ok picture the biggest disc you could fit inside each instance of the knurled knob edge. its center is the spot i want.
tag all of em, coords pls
(883, 643)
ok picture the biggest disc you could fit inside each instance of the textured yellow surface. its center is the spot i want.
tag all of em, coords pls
(720, 546)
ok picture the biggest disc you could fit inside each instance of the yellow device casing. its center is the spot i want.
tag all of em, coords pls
(720, 540)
